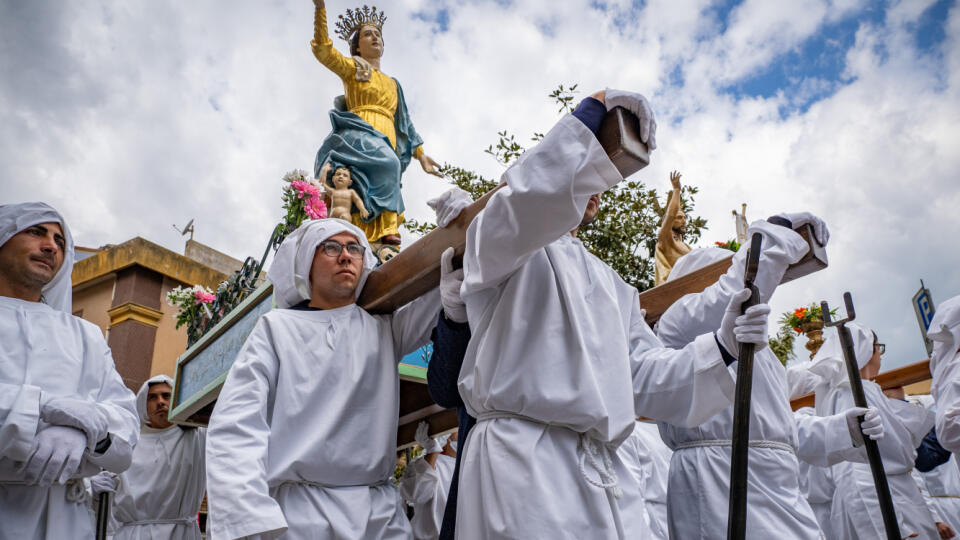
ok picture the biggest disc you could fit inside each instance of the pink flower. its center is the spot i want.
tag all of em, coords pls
(305, 188)
(315, 208)
(203, 297)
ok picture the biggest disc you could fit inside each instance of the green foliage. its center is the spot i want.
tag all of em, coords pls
(564, 98)
(624, 233)
(782, 344)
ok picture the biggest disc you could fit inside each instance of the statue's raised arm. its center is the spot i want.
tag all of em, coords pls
(373, 136)
(670, 243)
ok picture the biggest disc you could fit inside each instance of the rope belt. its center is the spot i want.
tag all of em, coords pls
(321, 485)
(775, 445)
(589, 450)
(177, 521)
(75, 491)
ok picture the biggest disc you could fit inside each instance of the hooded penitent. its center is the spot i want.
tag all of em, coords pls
(15, 218)
(290, 271)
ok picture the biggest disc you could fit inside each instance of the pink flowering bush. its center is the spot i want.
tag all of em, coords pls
(191, 303)
(302, 199)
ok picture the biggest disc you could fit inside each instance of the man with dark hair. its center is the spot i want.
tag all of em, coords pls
(160, 494)
(65, 413)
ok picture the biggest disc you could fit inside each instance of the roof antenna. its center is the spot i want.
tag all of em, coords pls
(187, 229)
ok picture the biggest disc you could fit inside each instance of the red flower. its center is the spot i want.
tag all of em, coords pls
(797, 330)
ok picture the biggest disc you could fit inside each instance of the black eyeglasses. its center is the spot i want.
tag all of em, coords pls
(881, 347)
(332, 248)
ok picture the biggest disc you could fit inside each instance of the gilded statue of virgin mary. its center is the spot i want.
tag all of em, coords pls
(372, 132)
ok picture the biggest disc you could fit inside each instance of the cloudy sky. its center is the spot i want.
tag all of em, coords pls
(132, 116)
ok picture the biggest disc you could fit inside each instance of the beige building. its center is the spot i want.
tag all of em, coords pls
(123, 289)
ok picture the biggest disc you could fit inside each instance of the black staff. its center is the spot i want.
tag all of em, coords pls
(856, 386)
(737, 509)
(103, 515)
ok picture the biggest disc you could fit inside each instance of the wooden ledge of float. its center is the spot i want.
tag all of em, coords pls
(901, 376)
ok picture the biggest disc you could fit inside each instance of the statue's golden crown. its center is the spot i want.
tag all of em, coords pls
(354, 19)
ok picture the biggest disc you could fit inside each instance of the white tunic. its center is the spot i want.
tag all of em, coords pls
(943, 485)
(856, 512)
(160, 494)
(700, 468)
(52, 352)
(426, 488)
(561, 361)
(304, 432)
(648, 459)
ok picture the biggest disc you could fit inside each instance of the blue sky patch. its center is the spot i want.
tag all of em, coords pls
(810, 72)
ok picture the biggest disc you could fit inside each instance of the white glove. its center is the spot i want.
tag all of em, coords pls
(450, 281)
(872, 424)
(77, 413)
(449, 205)
(638, 105)
(105, 481)
(820, 230)
(422, 437)
(56, 455)
(751, 327)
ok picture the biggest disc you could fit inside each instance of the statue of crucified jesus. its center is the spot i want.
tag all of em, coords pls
(670, 244)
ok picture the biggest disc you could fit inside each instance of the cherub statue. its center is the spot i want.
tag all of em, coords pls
(670, 244)
(372, 131)
(342, 198)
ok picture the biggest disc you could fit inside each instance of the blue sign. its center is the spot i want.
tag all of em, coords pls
(924, 307)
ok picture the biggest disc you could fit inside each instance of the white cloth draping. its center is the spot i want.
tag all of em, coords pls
(159, 496)
(945, 367)
(561, 361)
(14, 218)
(303, 434)
(47, 351)
(426, 488)
(855, 512)
(648, 459)
(290, 271)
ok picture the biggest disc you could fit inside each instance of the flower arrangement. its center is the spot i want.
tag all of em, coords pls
(191, 303)
(732, 245)
(801, 316)
(302, 199)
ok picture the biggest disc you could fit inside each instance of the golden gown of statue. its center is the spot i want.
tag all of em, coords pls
(375, 101)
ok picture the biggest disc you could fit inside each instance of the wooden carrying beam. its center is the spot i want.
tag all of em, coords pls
(416, 270)
(902, 376)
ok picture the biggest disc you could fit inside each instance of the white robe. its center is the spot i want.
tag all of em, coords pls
(943, 485)
(48, 351)
(160, 494)
(816, 484)
(648, 459)
(303, 435)
(700, 468)
(945, 389)
(426, 488)
(699, 484)
(561, 361)
(855, 512)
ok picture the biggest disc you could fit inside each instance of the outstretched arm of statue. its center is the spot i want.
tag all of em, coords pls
(358, 202)
(323, 48)
(665, 235)
(429, 165)
(324, 176)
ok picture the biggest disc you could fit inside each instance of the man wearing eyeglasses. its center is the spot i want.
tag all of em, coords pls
(303, 435)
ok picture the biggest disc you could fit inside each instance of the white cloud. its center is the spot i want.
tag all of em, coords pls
(130, 117)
